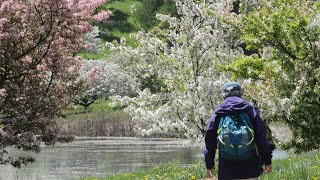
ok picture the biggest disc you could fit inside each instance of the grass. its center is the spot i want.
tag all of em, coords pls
(162, 172)
(306, 166)
(100, 55)
(100, 105)
(121, 24)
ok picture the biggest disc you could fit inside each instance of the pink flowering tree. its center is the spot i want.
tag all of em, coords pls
(38, 43)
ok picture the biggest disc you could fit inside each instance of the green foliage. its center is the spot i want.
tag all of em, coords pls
(306, 131)
(288, 31)
(282, 25)
(247, 68)
(100, 105)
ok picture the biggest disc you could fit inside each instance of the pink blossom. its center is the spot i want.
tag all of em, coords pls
(38, 47)
(85, 8)
(102, 16)
(2, 22)
(93, 75)
(5, 6)
(27, 59)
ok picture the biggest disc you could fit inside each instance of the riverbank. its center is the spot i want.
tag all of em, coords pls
(96, 123)
(305, 166)
(102, 120)
(81, 138)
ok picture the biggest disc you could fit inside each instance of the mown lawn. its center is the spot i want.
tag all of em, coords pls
(303, 167)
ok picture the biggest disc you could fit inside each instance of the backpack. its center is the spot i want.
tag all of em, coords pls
(236, 137)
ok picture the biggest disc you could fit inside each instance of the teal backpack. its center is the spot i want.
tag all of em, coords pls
(236, 137)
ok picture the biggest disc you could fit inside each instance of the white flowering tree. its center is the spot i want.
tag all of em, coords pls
(185, 59)
(92, 41)
(104, 79)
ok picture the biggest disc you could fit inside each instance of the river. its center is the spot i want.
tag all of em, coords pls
(100, 157)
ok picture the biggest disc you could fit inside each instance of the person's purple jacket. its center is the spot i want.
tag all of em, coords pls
(238, 169)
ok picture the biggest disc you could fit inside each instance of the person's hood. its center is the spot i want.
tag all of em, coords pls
(232, 104)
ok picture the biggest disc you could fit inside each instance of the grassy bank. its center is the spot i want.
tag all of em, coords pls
(306, 166)
(99, 119)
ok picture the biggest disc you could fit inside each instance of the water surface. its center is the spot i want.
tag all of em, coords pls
(105, 156)
(97, 158)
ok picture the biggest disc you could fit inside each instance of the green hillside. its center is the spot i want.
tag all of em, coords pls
(121, 24)
(130, 16)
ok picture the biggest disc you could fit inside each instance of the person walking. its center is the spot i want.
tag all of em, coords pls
(237, 131)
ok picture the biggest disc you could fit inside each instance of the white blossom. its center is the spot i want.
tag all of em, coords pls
(109, 80)
(93, 41)
(185, 58)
